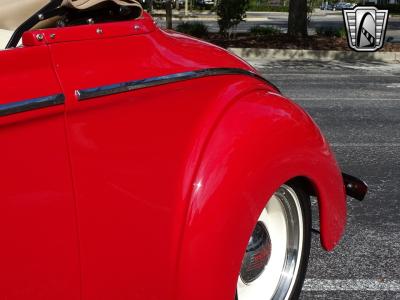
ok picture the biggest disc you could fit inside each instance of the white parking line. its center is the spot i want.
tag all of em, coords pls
(351, 285)
(365, 144)
(394, 85)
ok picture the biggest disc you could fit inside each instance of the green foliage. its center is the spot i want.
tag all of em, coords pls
(231, 13)
(196, 29)
(311, 5)
(264, 31)
(331, 31)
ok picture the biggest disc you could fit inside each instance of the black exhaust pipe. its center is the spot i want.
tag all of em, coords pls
(355, 188)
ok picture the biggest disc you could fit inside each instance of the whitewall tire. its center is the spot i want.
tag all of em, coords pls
(276, 257)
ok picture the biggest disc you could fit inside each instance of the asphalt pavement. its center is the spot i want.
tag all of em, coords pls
(357, 106)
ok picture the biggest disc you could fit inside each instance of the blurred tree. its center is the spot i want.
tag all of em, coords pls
(311, 6)
(297, 23)
(168, 13)
(231, 13)
(149, 6)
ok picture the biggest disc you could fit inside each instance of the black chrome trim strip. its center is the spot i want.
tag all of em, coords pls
(166, 79)
(31, 104)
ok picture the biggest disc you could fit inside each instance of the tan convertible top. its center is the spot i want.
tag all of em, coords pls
(83, 4)
(14, 12)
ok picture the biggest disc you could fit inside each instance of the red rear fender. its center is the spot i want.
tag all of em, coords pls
(261, 142)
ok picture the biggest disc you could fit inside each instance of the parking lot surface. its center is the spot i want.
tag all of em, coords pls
(357, 106)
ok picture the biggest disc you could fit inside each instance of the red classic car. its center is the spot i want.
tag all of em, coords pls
(139, 163)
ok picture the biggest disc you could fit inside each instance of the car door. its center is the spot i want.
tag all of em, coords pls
(125, 222)
(128, 153)
(38, 235)
(134, 142)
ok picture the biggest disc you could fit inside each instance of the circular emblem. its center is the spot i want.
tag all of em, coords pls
(258, 253)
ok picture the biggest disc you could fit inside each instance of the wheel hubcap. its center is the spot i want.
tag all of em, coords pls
(270, 264)
(258, 253)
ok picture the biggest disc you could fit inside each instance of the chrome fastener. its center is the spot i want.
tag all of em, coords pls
(40, 37)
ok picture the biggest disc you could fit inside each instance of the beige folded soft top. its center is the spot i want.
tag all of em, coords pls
(14, 12)
(83, 4)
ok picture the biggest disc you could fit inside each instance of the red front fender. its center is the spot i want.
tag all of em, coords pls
(262, 141)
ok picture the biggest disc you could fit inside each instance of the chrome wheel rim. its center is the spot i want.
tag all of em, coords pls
(282, 219)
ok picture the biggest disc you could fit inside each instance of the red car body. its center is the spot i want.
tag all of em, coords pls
(135, 163)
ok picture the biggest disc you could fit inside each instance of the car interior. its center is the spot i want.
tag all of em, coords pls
(16, 17)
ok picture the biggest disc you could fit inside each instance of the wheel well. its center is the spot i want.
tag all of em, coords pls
(304, 183)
